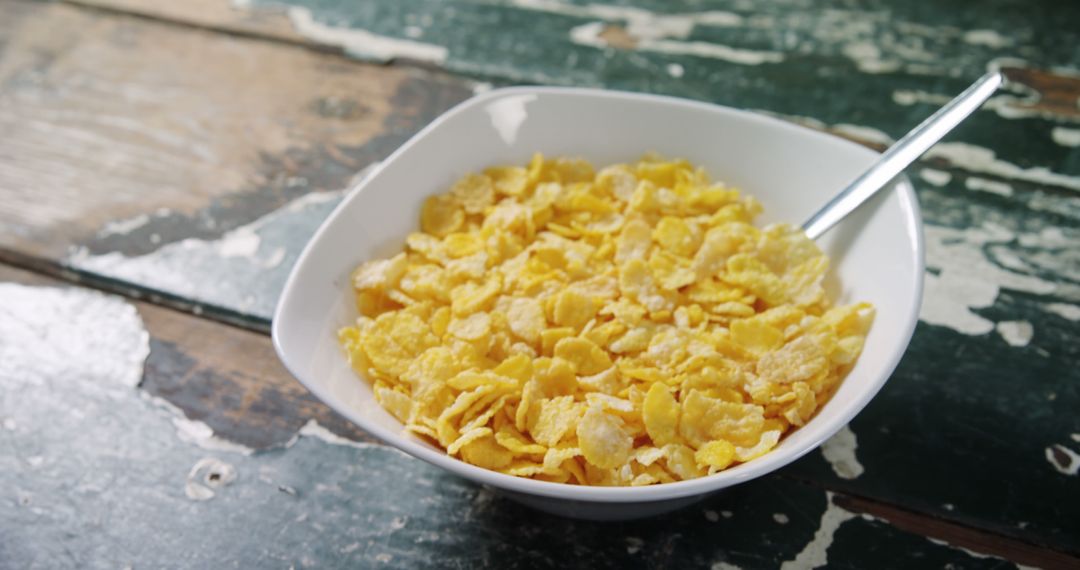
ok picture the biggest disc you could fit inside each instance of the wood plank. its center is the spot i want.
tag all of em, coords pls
(110, 471)
(198, 134)
(227, 378)
(943, 436)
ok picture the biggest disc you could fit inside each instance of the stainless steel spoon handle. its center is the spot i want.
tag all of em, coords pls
(902, 154)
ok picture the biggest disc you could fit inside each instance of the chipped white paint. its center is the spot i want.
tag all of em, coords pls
(199, 434)
(839, 451)
(991, 186)
(1066, 137)
(1016, 333)
(816, 552)
(966, 279)
(979, 159)
(868, 58)
(868, 134)
(124, 226)
(781, 518)
(640, 23)
(711, 516)
(1070, 465)
(974, 554)
(361, 43)
(255, 258)
(242, 242)
(207, 475)
(711, 50)
(907, 98)
(988, 38)
(936, 177)
(72, 334)
(589, 34)
(313, 429)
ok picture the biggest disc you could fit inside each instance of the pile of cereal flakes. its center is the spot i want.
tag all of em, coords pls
(622, 327)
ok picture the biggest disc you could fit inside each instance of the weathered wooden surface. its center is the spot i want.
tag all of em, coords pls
(977, 427)
(197, 135)
(181, 495)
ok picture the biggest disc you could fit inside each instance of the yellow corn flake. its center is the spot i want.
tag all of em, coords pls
(603, 438)
(660, 413)
(440, 216)
(474, 192)
(557, 418)
(767, 441)
(583, 355)
(473, 327)
(627, 326)
(573, 309)
(486, 453)
(718, 453)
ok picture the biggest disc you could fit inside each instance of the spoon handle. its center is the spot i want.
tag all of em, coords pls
(901, 154)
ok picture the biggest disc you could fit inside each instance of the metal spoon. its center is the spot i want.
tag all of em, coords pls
(901, 154)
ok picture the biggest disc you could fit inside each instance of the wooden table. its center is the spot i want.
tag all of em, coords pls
(162, 164)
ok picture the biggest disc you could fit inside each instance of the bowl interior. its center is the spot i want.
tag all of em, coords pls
(876, 253)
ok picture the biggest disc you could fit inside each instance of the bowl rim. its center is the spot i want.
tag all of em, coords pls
(650, 493)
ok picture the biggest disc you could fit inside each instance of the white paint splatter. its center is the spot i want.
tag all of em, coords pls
(979, 159)
(124, 226)
(675, 70)
(256, 258)
(727, 514)
(313, 429)
(634, 544)
(1075, 437)
(991, 186)
(711, 516)
(868, 134)
(1064, 460)
(839, 451)
(936, 177)
(1066, 137)
(48, 333)
(781, 518)
(640, 23)
(207, 475)
(711, 50)
(361, 43)
(907, 98)
(816, 552)
(589, 34)
(974, 554)
(867, 57)
(966, 279)
(199, 434)
(241, 242)
(988, 38)
(1016, 333)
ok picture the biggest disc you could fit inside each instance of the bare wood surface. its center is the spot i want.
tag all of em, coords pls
(197, 121)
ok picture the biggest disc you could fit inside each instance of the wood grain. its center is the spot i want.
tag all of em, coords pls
(198, 120)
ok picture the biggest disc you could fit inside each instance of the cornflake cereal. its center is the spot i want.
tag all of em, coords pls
(622, 327)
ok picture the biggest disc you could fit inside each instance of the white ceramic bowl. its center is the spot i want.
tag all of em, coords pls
(877, 253)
